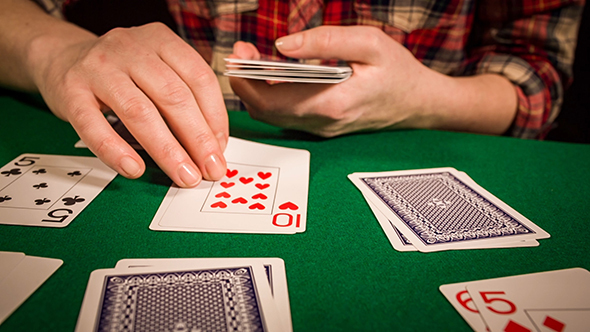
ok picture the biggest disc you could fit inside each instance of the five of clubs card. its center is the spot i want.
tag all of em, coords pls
(49, 190)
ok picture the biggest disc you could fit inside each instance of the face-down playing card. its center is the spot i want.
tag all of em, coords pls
(214, 298)
(49, 190)
(274, 269)
(438, 209)
(264, 191)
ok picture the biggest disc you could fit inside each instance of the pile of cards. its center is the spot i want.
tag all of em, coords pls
(442, 209)
(188, 294)
(49, 190)
(264, 190)
(20, 276)
(547, 301)
(286, 71)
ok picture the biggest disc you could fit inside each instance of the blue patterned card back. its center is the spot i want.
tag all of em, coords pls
(216, 300)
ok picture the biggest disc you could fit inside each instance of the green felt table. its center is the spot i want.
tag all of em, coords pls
(343, 274)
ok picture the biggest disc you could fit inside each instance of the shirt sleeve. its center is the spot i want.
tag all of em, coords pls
(531, 43)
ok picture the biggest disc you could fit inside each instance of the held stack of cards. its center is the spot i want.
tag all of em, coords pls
(20, 276)
(286, 71)
(442, 209)
(188, 294)
(555, 301)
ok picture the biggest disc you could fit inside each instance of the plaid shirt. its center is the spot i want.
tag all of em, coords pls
(529, 42)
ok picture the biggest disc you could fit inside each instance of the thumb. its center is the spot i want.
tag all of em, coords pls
(355, 43)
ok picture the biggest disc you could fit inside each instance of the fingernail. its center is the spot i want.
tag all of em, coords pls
(189, 175)
(130, 167)
(222, 140)
(214, 167)
(289, 43)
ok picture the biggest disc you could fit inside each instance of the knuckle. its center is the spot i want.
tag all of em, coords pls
(106, 146)
(135, 109)
(204, 77)
(176, 94)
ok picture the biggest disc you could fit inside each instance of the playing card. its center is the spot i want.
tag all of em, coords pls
(545, 301)
(458, 296)
(286, 71)
(213, 297)
(274, 268)
(264, 191)
(49, 190)
(437, 209)
(22, 281)
(8, 261)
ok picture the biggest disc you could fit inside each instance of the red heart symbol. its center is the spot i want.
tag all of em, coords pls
(241, 200)
(262, 185)
(227, 184)
(219, 205)
(289, 206)
(246, 180)
(263, 175)
(223, 194)
(256, 206)
(259, 196)
(231, 173)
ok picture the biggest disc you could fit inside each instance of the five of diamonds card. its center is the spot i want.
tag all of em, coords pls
(442, 209)
(264, 191)
(49, 190)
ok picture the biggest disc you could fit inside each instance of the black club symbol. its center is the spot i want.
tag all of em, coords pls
(5, 198)
(74, 173)
(41, 185)
(42, 201)
(40, 171)
(14, 171)
(72, 200)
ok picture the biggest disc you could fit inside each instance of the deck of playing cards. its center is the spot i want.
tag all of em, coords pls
(555, 301)
(442, 209)
(20, 276)
(286, 71)
(188, 294)
(264, 191)
(49, 190)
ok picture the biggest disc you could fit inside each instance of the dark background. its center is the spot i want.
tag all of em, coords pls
(572, 124)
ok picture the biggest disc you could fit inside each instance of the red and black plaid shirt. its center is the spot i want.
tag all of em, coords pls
(530, 42)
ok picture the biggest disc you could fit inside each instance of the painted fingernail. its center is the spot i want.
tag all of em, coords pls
(215, 167)
(189, 175)
(289, 43)
(130, 167)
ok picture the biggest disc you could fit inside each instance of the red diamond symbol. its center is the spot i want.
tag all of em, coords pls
(554, 324)
(513, 326)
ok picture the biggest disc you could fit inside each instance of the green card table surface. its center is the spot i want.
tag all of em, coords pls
(343, 274)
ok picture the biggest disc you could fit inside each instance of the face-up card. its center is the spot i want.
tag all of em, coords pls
(546, 301)
(49, 190)
(437, 210)
(274, 269)
(30, 273)
(264, 191)
(458, 296)
(212, 297)
(8, 261)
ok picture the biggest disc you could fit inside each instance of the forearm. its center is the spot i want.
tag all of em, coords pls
(29, 40)
(482, 103)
